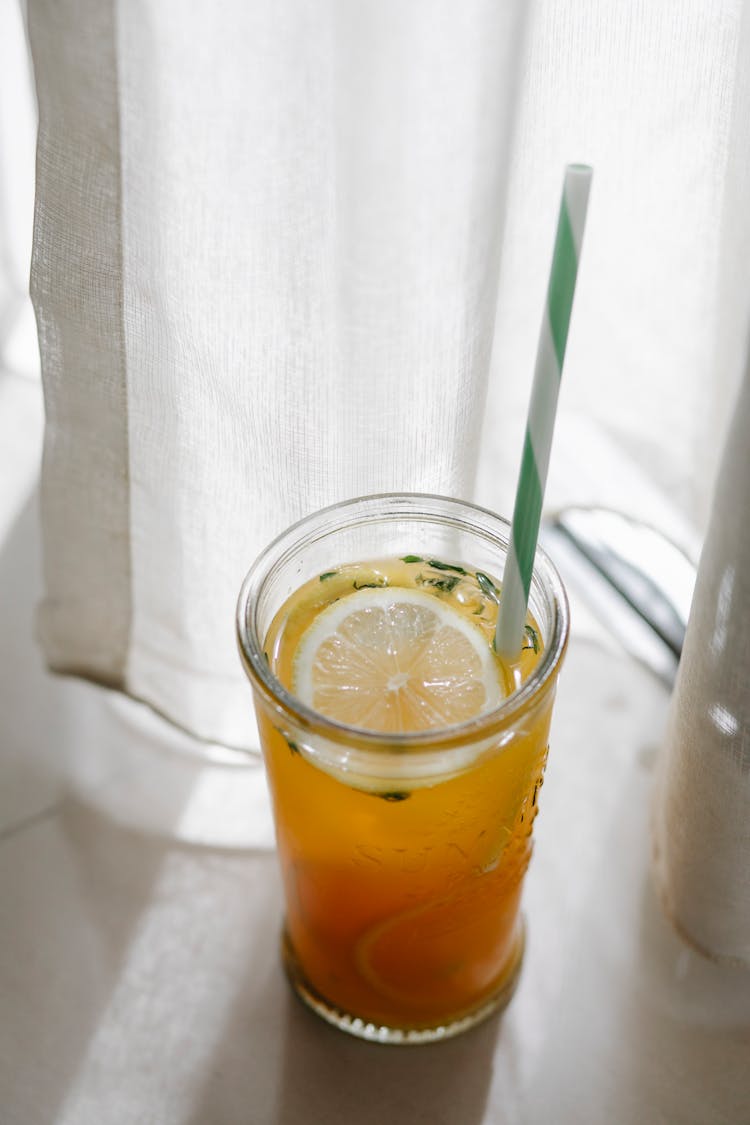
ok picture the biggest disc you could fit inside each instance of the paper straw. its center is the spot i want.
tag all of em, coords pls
(532, 478)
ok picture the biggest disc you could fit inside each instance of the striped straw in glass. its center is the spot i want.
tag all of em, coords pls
(532, 478)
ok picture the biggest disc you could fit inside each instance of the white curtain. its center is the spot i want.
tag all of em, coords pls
(286, 253)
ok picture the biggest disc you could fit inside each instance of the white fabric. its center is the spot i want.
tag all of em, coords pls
(702, 814)
(267, 267)
(18, 347)
(656, 97)
(265, 273)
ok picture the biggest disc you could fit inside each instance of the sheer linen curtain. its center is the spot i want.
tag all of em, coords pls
(287, 254)
(265, 273)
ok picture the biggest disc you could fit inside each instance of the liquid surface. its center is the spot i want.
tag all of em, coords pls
(403, 900)
(402, 629)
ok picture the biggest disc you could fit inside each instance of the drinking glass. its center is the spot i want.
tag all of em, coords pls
(402, 854)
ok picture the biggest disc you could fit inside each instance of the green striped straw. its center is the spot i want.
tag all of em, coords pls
(532, 478)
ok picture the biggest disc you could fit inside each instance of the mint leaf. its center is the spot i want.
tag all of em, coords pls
(487, 586)
(533, 638)
(445, 566)
(446, 585)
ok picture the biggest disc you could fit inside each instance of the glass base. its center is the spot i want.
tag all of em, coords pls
(405, 1036)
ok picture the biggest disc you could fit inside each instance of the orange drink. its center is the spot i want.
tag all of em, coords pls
(405, 760)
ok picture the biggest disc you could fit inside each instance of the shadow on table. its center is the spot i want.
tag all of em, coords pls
(323, 1075)
(686, 984)
(133, 963)
(346, 1079)
(685, 1029)
(115, 940)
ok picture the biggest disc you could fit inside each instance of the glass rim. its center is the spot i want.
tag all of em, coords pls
(406, 505)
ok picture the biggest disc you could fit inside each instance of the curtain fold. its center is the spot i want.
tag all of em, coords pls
(78, 292)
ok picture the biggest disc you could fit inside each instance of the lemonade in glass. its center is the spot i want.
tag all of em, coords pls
(405, 759)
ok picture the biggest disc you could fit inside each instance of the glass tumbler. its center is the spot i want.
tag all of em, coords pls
(402, 854)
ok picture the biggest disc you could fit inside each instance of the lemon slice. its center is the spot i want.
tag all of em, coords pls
(395, 660)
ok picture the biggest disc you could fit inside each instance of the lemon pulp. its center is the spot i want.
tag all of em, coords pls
(394, 659)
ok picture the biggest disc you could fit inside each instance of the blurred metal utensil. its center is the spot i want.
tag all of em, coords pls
(636, 581)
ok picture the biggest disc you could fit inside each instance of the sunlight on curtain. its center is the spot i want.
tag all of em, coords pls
(265, 272)
(655, 97)
(278, 252)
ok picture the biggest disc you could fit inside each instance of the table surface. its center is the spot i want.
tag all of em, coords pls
(140, 905)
